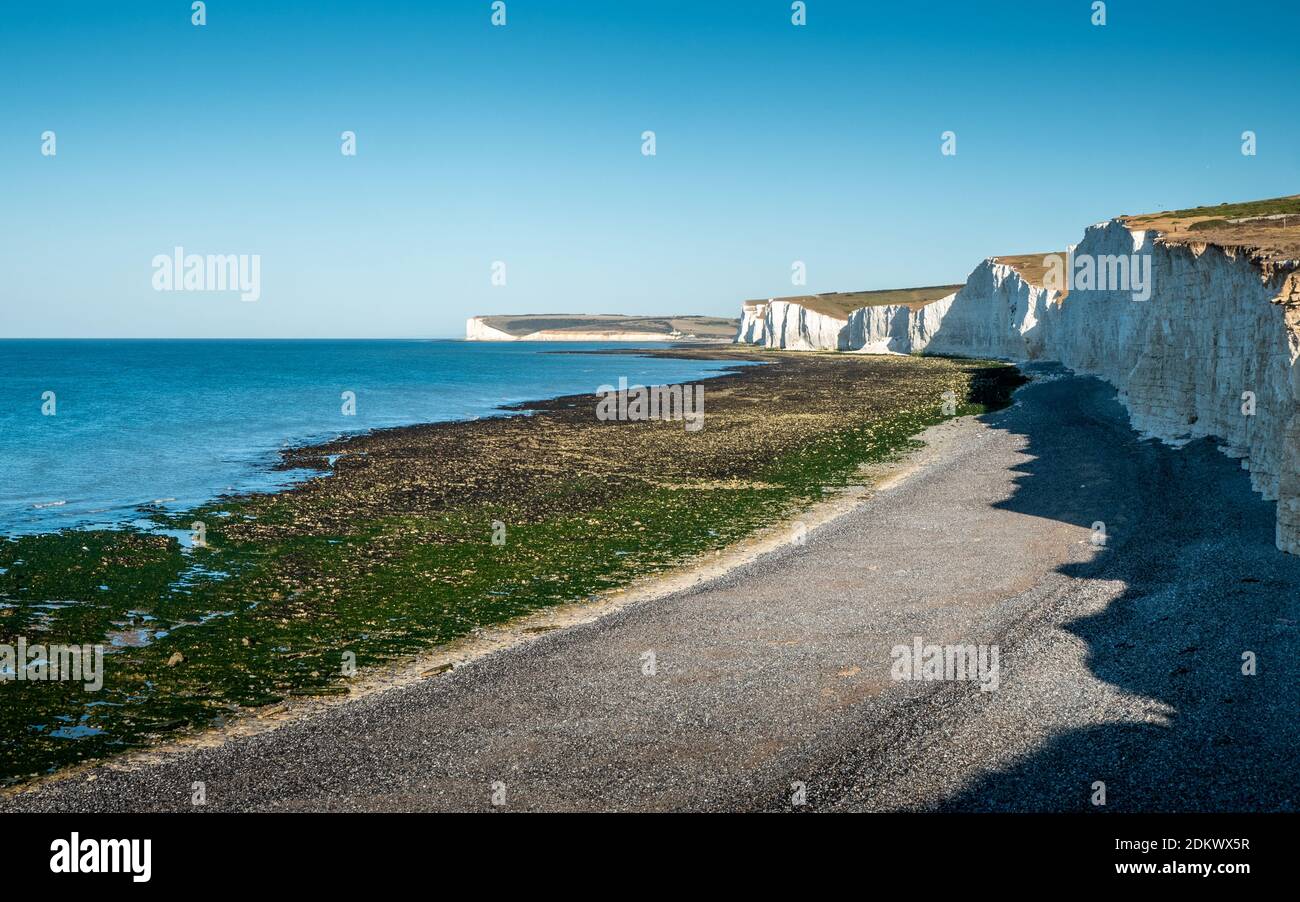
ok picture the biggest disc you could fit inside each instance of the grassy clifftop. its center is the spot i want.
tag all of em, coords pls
(841, 303)
(1270, 227)
(711, 327)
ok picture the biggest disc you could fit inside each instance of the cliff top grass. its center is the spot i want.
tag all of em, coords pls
(1269, 228)
(699, 326)
(840, 304)
(1030, 266)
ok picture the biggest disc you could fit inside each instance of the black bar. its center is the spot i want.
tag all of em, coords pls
(301, 851)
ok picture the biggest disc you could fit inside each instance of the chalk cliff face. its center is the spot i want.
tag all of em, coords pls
(997, 310)
(477, 330)
(1209, 354)
(793, 326)
(891, 329)
(1218, 324)
(753, 324)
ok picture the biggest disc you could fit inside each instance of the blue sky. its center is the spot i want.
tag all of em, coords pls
(522, 144)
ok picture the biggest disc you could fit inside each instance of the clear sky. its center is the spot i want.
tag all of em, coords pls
(522, 144)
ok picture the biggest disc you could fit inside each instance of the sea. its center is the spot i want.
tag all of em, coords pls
(95, 433)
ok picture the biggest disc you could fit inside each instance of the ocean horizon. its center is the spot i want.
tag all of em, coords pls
(136, 424)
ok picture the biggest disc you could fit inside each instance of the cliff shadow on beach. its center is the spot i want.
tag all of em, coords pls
(1203, 585)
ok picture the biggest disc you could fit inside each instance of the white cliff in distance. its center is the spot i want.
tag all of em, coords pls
(1208, 347)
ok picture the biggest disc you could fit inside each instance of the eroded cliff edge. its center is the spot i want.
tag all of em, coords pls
(1211, 350)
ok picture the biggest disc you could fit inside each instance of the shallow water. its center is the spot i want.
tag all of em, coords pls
(172, 424)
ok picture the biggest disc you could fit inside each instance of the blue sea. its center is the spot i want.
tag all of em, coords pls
(175, 423)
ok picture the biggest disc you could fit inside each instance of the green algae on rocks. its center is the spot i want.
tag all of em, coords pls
(391, 551)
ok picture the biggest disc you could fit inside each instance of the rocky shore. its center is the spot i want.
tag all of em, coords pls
(417, 536)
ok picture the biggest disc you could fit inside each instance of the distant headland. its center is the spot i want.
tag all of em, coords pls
(599, 327)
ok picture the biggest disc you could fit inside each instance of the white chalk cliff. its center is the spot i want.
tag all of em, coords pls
(1220, 322)
(570, 327)
(477, 330)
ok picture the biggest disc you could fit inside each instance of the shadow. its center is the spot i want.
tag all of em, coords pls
(1191, 548)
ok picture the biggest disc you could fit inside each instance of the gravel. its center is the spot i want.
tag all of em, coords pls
(1120, 664)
